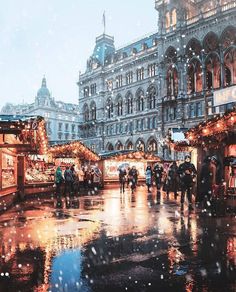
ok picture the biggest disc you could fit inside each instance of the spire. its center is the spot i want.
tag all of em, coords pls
(44, 82)
(104, 22)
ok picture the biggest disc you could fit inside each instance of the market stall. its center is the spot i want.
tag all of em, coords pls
(112, 161)
(217, 137)
(20, 136)
(73, 153)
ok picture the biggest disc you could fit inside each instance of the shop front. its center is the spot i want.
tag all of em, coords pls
(217, 137)
(113, 161)
(19, 137)
(73, 153)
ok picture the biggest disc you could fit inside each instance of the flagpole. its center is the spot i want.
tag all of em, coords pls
(104, 23)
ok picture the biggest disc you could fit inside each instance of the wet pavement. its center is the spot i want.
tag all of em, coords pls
(115, 242)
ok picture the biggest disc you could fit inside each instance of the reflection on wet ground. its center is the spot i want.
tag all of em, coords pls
(114, 242)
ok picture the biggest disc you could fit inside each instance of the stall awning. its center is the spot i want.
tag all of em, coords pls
(130, 155)
(26, 134)
(75, 149)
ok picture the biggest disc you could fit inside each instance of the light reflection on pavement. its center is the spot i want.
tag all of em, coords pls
(115, 242)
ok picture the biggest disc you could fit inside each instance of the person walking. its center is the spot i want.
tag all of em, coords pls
(68, 176)
(158, 172)
(133, 174)
(172, 183)
(148, 178)
(122, 179)
(187, 172)
(58, 180)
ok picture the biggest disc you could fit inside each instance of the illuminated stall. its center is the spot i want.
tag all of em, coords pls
(73, 153)
(112, 161)
(217, 136)
(20, 136)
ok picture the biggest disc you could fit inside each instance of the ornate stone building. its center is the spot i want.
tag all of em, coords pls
(129, 98)
(62, 119)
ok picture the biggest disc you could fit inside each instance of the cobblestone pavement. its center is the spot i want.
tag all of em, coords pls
(116, 242)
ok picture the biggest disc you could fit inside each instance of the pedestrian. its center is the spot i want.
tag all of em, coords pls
(73, 186)
(206, 181)
(158, 172)
(133, 175)
(122, 178)
(187, 172)
(58, 180)
(128, 177)
(68, 176)
(172, 181)
(149, 178)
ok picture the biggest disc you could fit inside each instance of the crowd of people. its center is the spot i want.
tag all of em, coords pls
(178, 179)
(73, 180)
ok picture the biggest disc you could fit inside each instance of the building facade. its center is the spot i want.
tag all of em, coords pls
(130, 98)
(62, 119)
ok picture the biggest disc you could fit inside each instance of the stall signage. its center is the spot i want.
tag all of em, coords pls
(224, 96)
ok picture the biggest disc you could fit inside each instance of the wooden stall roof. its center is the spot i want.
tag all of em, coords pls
(75, 149)
(209, 134)
(123, 155)
(214, 132)
(26, 134)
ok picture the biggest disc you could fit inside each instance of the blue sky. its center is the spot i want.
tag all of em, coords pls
(56, 37)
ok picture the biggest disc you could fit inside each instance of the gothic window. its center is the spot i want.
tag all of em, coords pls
(120, 107)
(119, 81)
(140, 74)
(194, 77)
(130, 104)
(140, 100)
(172, 82)
(140, 145)
(151, 97)
(130, 145)
(167, 20)
(93, 88)
(93, 111)
(230, 67)
(151, 70)
(173, 17)
(228, 37)
(109, 109)
(193, 48)
(86, 91)
(152, 146)
(86, 113)
(213, 74)
(210, 42)
(129, 78)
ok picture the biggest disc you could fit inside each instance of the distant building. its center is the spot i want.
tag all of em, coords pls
(61, 118)
(130, 98)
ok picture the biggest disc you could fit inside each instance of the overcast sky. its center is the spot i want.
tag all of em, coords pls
(56, 37)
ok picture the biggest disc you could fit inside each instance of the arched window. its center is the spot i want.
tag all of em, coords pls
(193, 48)
(152, 145)
(110, 147)
(228, 37)
(174, 17)
(172, 82)
(167, 19)
(230, 67)
(213, 74)
(140, 145)
(119, 105)
(140, 100)
(210, 42)
(86, 113)
(194, 76)
(119, 146)
(130, 108)
(109, 108)
(93, 111)
(151, 97)
(129, 145)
